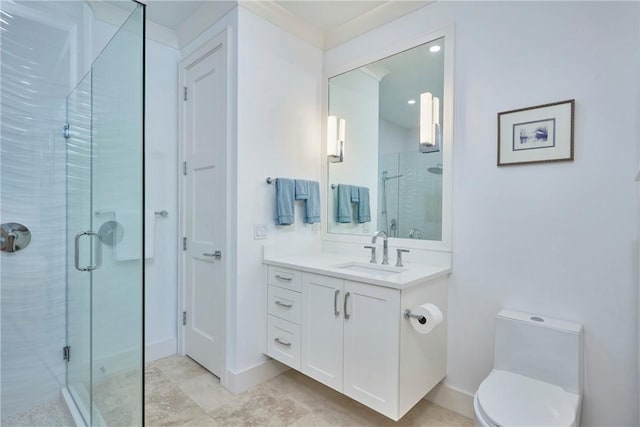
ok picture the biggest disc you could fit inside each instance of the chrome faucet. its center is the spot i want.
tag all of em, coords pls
(385, 245)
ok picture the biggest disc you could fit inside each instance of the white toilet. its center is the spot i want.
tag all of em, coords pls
(537, 374)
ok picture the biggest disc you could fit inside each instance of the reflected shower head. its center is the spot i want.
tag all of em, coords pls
(436, 170)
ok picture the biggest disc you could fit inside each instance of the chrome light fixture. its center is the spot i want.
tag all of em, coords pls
(336, 131)
(430, 133)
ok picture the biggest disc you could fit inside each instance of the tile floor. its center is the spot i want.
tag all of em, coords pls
(179, 392)
(51, 414)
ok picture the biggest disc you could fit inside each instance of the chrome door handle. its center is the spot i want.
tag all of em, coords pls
(335, 303)
(281, 304)
(76, 255)
(346, 298)
(97, 250)
(216, 254)
(284, 343)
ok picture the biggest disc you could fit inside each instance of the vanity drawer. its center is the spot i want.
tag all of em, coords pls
(285, 304)
(285, 278)
(283, 341)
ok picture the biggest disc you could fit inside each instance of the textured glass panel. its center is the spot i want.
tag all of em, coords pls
(117, 195)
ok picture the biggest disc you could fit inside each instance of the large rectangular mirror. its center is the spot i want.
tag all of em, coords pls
(388, 146)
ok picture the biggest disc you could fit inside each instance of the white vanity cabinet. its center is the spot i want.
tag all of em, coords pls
(351, 336)
(284, 312)
(350, 330)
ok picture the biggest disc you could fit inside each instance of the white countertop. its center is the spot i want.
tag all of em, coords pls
(328, 264)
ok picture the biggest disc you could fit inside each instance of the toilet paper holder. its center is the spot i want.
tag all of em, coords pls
(408, 315)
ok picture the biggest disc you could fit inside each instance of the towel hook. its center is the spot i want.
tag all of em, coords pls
(271, 180)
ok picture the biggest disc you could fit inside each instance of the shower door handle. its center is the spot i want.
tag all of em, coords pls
(97, 250)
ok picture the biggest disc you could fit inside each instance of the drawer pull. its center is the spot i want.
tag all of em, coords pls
(282, 304)
(284, 343)
(284, 277)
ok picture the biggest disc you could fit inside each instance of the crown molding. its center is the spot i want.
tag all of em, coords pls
(114, 15)
(375, 18)
(284, 19)
(325, 40)
(203, 18)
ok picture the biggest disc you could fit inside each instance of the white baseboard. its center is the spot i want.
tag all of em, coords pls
(159, 349)
(453, 399)
(251, 377)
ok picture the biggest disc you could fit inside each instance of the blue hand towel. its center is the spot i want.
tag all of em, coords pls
(364, 210)
(285, 190)
(302, 189)
(312, 205)
(343, 208)
(355, 194)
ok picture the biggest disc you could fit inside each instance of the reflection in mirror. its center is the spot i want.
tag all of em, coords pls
(390, 176)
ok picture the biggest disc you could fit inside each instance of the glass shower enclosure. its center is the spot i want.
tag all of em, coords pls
(72, 175)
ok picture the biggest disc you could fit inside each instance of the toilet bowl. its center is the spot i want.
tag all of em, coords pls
(537, 375)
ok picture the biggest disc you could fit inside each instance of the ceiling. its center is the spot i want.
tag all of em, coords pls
(325, 24)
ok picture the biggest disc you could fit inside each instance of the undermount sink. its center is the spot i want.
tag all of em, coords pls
(369, 268)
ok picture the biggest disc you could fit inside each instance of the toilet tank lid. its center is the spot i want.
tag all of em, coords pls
(536, 319)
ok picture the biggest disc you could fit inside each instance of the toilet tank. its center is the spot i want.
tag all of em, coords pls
(540, 347)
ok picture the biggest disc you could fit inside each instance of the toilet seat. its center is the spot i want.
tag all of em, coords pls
(508, 399)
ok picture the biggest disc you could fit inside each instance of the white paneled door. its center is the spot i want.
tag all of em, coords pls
(204, 135)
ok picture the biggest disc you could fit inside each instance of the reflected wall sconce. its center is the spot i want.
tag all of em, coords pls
(430, 132)
(336, 131)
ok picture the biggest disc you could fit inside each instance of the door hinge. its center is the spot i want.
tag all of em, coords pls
(185, 93)
(65, 131)
(184, 318)
(184, 168)
(66, 353)
(184, 243)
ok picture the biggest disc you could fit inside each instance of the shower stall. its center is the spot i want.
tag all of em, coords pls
(410, 194)
(71, 209)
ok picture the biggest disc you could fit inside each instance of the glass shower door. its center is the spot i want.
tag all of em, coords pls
(117, 203)
(105, 220)
(78, 220)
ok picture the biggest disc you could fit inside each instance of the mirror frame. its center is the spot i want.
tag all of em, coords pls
(446, 244)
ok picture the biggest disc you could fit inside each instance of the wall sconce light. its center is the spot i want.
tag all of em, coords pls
(336, 131)
(429, 123)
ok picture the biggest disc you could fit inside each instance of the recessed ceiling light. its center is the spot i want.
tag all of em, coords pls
(411, 101)
(435, 48)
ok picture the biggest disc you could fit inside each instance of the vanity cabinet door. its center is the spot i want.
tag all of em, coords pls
(371, 346)
(322, 329)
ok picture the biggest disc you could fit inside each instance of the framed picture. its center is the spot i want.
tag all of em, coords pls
(539, 134)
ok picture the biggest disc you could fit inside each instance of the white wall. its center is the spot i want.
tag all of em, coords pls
(555, 239)
(279, 97)
(161, 193)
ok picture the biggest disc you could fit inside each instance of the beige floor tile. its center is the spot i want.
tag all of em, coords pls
(179, 368)
(259, 407)
(47, 415)
(291, 399)
(207, 392)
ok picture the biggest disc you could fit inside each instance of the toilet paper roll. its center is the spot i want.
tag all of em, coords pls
(431, 313)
